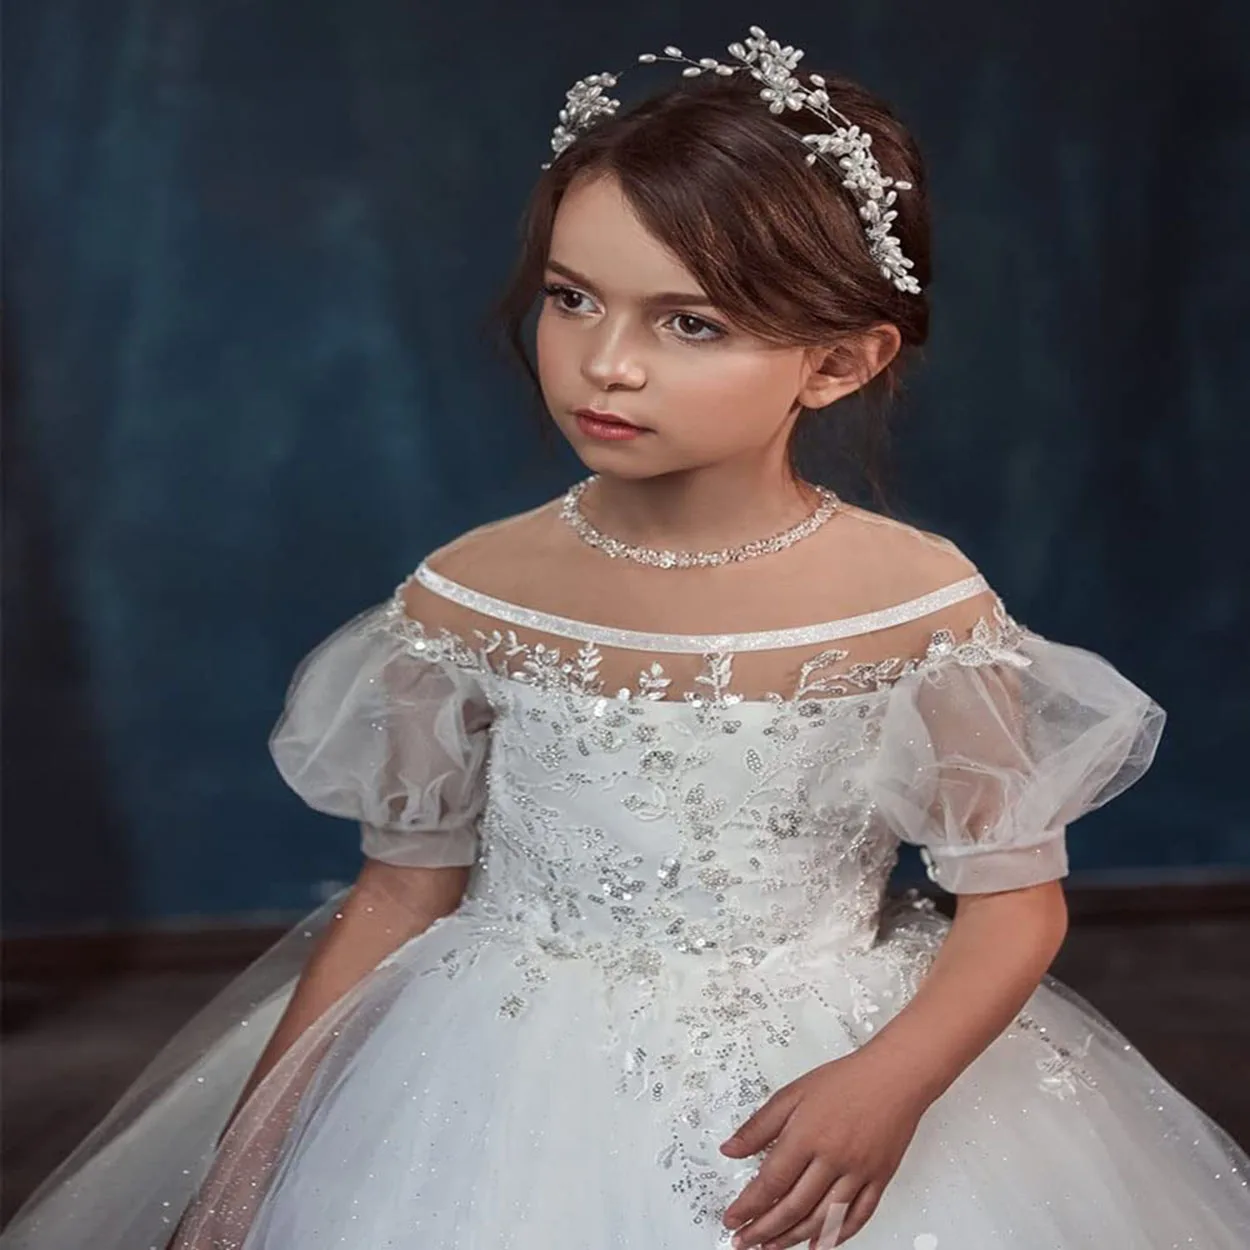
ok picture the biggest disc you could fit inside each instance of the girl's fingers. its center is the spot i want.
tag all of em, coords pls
(812, 1184)
(765, 1125)
(775, 1178)
(822, 1224)
(860, 1213)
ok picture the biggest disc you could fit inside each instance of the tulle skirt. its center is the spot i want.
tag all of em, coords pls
(478, 1093)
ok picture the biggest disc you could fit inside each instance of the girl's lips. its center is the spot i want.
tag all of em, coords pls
(612, 417)
(606, 426)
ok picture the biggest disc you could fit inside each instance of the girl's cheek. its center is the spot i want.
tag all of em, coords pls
(725, 386)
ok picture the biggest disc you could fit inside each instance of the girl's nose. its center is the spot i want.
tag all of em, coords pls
(612, 361)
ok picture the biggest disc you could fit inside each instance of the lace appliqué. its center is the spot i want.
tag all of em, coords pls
(1063, 1076)
(992, 640)
(995, 642)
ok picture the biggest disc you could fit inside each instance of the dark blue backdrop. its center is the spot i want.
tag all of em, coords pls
(249, 246)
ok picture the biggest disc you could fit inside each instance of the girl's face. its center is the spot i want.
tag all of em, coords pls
(626, 329)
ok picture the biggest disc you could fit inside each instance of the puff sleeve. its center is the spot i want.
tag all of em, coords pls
(379, 734)
(986, 754)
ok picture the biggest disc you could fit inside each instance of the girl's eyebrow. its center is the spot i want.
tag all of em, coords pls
(664, 298)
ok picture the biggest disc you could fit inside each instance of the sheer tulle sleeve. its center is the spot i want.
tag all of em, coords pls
(376, 733)
(989, 751)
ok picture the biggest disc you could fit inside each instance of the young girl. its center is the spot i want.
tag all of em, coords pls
(632, 770)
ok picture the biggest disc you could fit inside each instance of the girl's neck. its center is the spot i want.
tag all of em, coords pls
(702, 509)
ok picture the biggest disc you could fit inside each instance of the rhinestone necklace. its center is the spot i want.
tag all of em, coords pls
(572, 513)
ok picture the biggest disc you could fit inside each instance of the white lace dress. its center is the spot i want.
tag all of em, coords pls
(677, 905)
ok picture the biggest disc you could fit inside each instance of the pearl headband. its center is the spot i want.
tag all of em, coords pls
(845, 146)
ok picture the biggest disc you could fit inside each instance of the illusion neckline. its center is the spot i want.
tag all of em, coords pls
(695, 644)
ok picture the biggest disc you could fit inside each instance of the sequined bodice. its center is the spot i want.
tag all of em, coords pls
(636, 826)
(656, 828)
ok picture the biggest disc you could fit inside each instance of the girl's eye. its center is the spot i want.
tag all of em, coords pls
(562, 295)
(689, 326)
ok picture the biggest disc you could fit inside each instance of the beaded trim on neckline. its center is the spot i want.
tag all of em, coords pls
(696, 644)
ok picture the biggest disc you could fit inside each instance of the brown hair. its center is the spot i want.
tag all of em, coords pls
(777, 244)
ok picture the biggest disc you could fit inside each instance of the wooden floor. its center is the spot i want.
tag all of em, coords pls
(1179, 989)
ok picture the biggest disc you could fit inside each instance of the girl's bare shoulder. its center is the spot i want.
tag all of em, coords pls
(891, 560)
(500, 558)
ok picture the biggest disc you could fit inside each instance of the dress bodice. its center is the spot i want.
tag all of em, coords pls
(635, 825)
(618, 806)
(721, 830)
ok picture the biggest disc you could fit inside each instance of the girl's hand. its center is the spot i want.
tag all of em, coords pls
(838, 1134)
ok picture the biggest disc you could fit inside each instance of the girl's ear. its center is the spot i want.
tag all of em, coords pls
(847, 366)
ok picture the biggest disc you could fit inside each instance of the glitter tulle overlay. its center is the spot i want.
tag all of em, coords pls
(676, 905)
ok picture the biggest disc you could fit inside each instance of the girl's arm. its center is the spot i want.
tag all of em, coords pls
(838, 1133)
(994, 956)
(385, 907)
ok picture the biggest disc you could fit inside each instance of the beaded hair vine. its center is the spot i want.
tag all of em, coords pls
(845, 147)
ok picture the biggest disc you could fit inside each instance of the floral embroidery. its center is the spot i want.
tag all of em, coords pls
(502, 653)
(1062, 1074)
